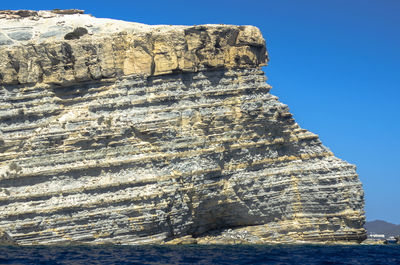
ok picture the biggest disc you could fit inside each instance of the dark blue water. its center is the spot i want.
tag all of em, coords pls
(194, 254)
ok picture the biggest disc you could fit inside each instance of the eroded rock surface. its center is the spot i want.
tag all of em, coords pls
(119, 132)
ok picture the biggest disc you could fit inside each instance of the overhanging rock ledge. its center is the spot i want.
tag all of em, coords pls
(125, 133)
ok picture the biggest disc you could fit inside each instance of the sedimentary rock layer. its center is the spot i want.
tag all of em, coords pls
(132, 134)
(76, 48)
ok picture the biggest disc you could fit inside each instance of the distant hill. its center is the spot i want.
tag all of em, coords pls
(382, 227)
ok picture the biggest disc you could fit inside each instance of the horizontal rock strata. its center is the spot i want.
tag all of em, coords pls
(132, 134)
(68, 49)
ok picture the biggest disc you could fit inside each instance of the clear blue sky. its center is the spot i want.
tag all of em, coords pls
(335, 63)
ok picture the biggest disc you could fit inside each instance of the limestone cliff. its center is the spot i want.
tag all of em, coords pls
(119, 132)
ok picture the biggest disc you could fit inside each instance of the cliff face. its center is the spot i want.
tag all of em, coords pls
(119, 132)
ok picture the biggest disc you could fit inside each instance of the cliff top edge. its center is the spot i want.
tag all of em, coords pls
(68, 46)
(12, 14)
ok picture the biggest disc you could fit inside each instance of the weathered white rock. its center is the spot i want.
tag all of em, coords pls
(119, 132)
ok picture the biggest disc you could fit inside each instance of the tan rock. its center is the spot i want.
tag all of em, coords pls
(129, 48)
(186, 240)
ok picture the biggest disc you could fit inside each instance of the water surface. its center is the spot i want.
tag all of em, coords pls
(199, 254)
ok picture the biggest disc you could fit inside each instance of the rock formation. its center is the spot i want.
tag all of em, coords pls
(119, 132)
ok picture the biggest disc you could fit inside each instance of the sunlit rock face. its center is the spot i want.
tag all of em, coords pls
(119, 132)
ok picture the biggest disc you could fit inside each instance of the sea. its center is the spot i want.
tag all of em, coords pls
(202, 254)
